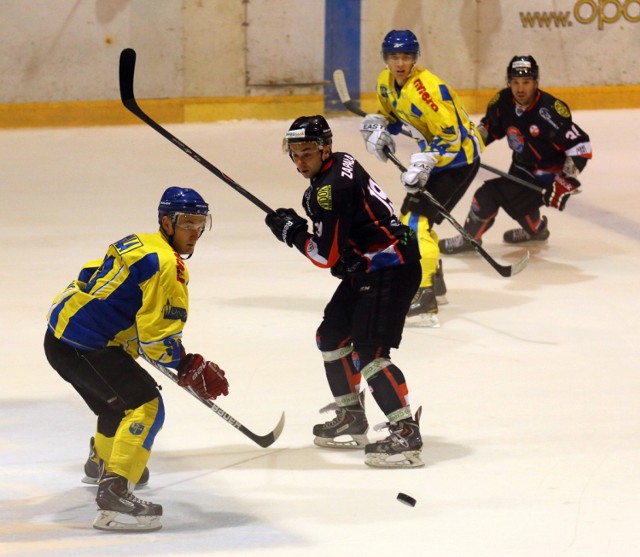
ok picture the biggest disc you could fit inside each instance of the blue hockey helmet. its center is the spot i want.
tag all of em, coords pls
(523, 66)
(400, 41)
(309, 128)
(176, 200)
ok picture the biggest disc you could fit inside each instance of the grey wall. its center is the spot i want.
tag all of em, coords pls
(67, 50)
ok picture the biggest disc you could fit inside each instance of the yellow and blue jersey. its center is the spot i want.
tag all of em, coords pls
(433, 114)
(136, 298)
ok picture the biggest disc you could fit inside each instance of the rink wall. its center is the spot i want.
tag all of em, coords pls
(207, 60)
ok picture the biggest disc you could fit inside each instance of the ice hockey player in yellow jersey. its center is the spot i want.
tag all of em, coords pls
(449, 147)
(134, 302)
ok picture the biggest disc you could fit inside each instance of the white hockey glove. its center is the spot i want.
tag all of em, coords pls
(416, 176)
(376, 137)
(484, 133)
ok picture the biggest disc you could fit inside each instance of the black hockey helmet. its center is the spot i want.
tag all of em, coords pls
(523, 66)
(309, 129)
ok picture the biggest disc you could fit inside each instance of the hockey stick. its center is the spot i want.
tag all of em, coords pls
(343, 92)
(262, 440)
(127, 69)
(504, 270)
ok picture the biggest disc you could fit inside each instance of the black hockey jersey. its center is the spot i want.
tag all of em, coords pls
(354, 224)
(541, 137)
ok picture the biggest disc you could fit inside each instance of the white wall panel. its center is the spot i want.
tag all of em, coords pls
(285, 41)
(67, 50)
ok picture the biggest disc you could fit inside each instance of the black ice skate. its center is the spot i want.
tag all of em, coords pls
(519, 235)
(348, 430)
(424, 307)
(457, 244)
(120, 510)
(401, 449)
(93, 467)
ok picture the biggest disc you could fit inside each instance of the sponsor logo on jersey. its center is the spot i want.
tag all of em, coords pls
(544, 112)
(534, 130)
(127, 244)
(514, 139)
(425, 95)
(136, 428)
(384, 92)
(179, 268)
(561, 109)
(324, 197)
(172, 312)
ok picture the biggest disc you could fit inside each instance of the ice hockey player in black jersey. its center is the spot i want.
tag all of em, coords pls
(549, 150)
(356, 234)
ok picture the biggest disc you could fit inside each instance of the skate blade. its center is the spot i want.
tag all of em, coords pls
(121, 522)
(342, 442)
(94, 481)
(407, 459)
(424, 320)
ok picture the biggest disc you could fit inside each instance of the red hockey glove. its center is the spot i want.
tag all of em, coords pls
(205, 378)
(558, 194)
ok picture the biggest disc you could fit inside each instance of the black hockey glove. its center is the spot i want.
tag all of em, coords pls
(286, 224)
(338, 270)
(558, 193)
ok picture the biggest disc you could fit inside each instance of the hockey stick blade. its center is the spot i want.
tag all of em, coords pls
(262, 440)
(126, 75)
(503, 270)
(340, 83)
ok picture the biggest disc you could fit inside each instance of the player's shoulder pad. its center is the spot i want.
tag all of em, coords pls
(504, 95)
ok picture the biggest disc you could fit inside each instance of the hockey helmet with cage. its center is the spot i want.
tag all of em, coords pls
(400, 41)
(177, 200)
(523, 66)
(307, 129)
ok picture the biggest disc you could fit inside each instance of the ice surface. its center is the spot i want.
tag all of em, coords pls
(530, 388)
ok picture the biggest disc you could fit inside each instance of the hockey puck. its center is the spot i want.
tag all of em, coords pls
(406, 499)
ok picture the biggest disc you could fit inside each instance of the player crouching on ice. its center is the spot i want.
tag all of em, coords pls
(132, 303)
(357, 235)
(549, 151)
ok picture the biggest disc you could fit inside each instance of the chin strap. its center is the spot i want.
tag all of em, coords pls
(169, 238)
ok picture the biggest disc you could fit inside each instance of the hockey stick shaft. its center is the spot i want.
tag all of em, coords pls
(127, 70)
(343, 92)
(262, 440)
(503, 270)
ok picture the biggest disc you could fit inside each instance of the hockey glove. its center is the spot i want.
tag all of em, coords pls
(286, 224)
(416, 176)
(558, 193)
(483, 131)
(338, 270)
(376, 137)
(204, 378)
